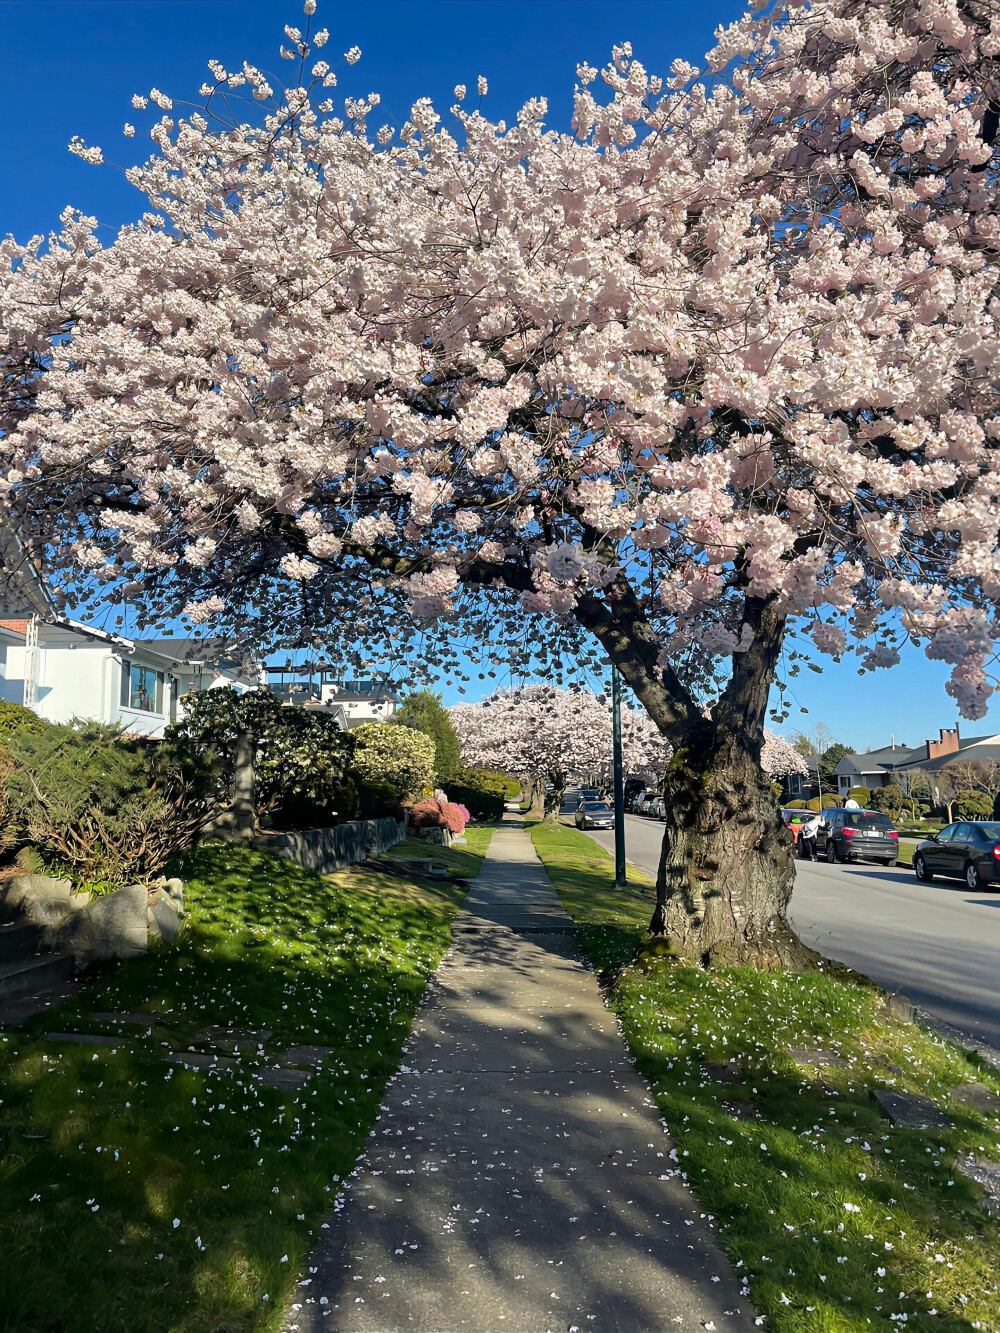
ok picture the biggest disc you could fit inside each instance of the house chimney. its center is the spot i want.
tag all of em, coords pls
(948, 744)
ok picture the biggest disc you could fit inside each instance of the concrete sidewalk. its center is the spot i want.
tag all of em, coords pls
(518, 1176)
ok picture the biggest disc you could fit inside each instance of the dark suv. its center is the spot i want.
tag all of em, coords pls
(855, 835)
(961, 851)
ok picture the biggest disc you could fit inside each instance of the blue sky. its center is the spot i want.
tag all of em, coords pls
(71, 66)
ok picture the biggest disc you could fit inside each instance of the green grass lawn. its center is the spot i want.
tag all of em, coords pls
(837, 1220)
(462, 861)
(138, 1195)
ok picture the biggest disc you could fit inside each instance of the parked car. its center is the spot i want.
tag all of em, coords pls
(856, 835)
(655, 809)
(595, 814)
(961, 851)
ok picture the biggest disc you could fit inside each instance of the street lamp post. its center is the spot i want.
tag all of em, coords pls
(619, 777)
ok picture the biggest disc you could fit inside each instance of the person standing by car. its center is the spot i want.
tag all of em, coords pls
(807, 838)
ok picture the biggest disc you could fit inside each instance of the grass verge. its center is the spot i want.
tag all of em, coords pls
(462, 861)
(838, 1221)
(138, 1195)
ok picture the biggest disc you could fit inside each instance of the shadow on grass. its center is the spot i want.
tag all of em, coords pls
(137, 1194)
(839, 1220)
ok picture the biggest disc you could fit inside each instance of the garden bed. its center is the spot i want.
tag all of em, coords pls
(839, 1219)
(137, 1192)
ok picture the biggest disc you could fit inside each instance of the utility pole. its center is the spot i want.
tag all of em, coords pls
(619, 777)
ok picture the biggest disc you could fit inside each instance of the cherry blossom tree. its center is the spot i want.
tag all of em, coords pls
(546, 735)
(780, 759)
(711, 380)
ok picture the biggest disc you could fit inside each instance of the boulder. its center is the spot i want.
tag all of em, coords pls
(42, 900)
(162, 917)
(898, 1007)
(113, 926)
(441, 836)
(174, 890)
(909, 1110)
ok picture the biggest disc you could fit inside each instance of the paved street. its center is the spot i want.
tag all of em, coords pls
(937, 943)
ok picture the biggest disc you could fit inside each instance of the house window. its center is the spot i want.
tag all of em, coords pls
(142, 688)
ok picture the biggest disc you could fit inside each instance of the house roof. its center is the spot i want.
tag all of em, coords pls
(983, 748)
(22, 588)
(203, 652)
(879, 761)
(899, 758)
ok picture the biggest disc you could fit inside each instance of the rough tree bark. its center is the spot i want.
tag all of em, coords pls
(536, 799)
(726, 867)
(244, 810)
(553, 798)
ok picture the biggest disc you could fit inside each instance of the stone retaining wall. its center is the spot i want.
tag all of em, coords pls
(324, 850)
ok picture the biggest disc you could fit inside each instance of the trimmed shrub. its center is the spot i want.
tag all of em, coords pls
(400, 757)
(974, 805)
(377, 800)
(830, 802)
(455, 816)
(891, 800)
(797, 804)
(860, 794)
(302, 758)
(426, 814)
(814, 804)
(483, 791)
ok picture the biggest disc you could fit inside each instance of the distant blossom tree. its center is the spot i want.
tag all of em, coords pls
(717, 369)
(780, 759)
(547, 735)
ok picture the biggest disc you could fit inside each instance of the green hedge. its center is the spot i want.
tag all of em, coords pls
(482, 791)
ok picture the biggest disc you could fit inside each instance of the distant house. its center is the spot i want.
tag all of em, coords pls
(803, 786)
(351, 702)
(879, 768)
(63, 668)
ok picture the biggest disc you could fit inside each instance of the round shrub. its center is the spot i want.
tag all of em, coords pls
(398, 756)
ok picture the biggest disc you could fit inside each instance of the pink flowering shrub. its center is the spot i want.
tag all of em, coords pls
(427, 814)
(455, 816)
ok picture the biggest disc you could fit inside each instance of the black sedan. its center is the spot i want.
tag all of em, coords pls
(595, 814)
(961, 851)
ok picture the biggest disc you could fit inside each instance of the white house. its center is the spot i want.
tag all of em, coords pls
(62, 668)
(318, 688)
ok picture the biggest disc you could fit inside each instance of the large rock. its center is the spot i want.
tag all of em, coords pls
(162, 917)
(113, 926)
(42, 900)
(909, 1110)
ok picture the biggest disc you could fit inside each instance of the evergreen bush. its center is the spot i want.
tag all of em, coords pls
(425, 712)
(105, 810)
(400, 757)
(302, 758)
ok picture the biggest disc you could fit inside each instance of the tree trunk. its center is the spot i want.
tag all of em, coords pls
(554, 798)
(726, 867)
(536, 800)
(244, 811)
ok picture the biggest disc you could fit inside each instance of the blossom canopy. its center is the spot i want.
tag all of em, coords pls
(720, 363)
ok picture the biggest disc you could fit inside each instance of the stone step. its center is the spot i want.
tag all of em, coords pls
(18, 940)
(31, 975)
